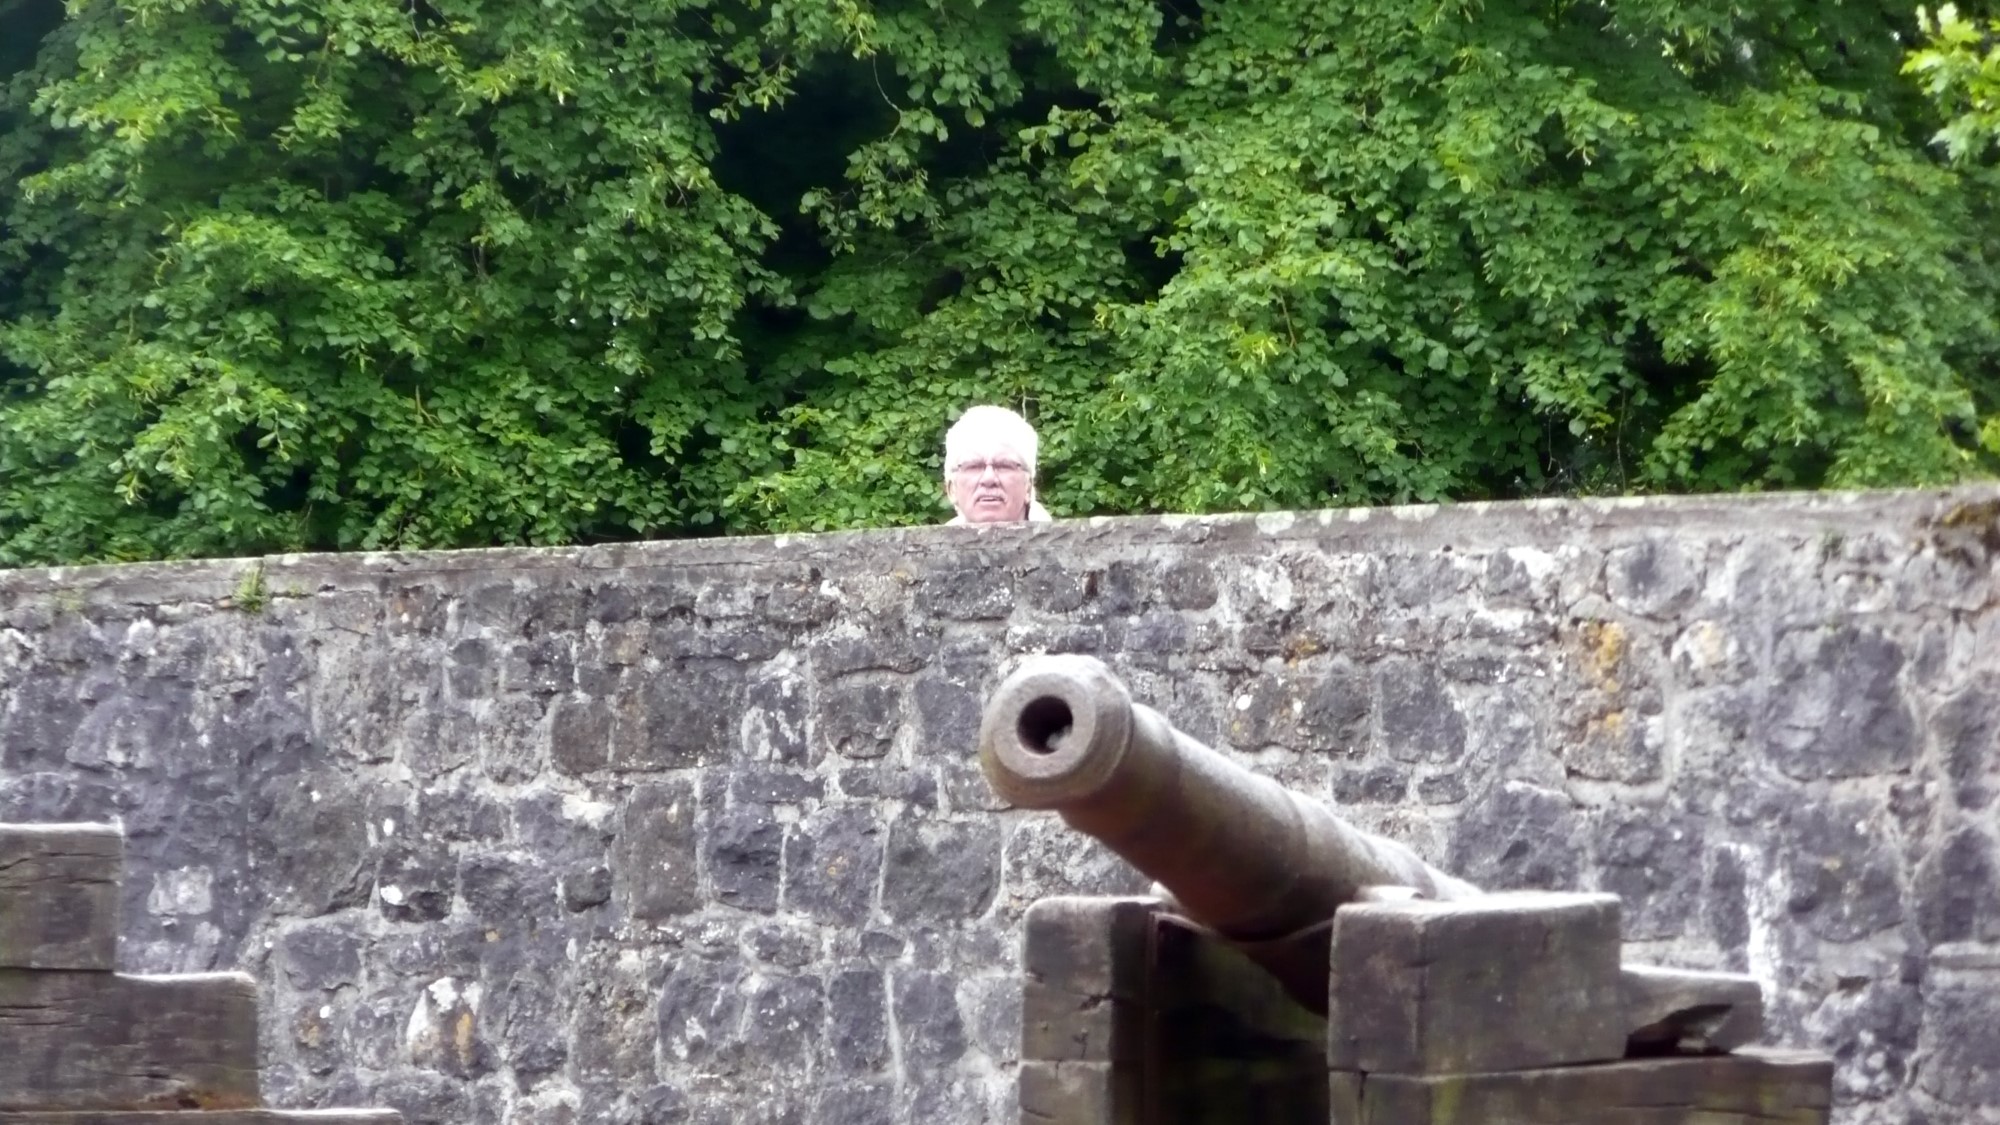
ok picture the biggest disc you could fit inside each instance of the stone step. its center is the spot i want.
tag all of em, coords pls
(59, 896)
(74, 1040)
(209, 1117)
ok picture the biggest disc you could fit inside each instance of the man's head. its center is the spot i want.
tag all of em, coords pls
(989, 465)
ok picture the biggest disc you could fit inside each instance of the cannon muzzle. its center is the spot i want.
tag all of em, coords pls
(1241, 854)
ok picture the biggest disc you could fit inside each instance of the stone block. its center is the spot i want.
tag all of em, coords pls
(858, 1039)
(100, 1041)
(930, 1027)
(745, 853)
(835, 862)
(684, 715)
(783, 1014)
(1960, 1034)
(1756, 1088)
(968, 593)
(1690, 1012)
(859, 718)
(655, 868)
(1497, 983)
(938, 870)
(1420, 722)
(59, 896)
(1518, 835)
(1839, 709)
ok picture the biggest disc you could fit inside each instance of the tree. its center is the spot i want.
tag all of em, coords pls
(358, 273)
(1959, 67)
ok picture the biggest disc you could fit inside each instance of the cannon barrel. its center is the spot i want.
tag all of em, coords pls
(1241, 854)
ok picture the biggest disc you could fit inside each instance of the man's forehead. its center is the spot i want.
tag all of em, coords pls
(988, 448)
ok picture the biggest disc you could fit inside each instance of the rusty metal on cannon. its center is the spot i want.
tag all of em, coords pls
(1240, 854)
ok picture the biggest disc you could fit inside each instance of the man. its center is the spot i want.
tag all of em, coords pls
(989, 467)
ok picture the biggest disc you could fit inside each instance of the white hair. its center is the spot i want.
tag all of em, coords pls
(981, 426)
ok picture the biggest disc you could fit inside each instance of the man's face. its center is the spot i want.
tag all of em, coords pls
(989, 485)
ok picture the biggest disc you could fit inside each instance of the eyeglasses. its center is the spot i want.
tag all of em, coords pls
(1001, 468)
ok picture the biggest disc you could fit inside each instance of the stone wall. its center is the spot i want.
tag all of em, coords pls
(691, 832)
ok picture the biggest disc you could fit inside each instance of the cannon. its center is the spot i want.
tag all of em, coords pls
(1241, 854)
(1291, 967)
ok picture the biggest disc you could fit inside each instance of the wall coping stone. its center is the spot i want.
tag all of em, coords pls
(1967, 510)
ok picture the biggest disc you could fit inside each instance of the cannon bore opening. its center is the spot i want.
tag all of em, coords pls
(1043, 723)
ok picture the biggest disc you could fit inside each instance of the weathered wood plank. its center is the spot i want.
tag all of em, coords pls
(1511, 981)
(1077, 1093)
(1749, 1088)
(209, 1117)
(99, 1041)
(1229, 1043)
(1689, 1011)
(1083, 978)
(59, 895)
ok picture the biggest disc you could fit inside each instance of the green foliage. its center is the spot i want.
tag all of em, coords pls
(252, 593)
(331, 274)
(1959, 68)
